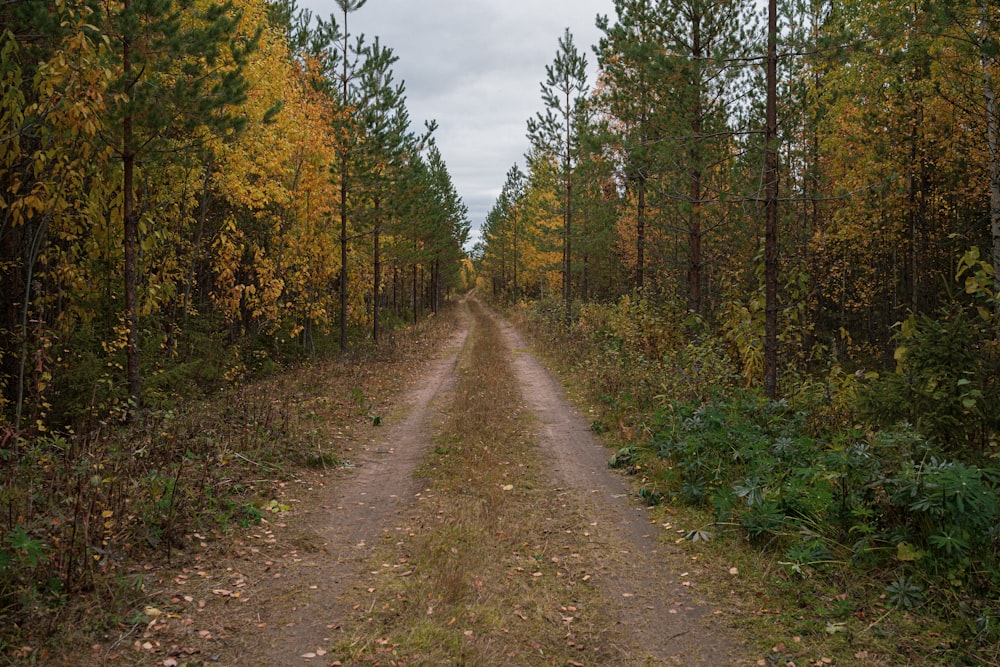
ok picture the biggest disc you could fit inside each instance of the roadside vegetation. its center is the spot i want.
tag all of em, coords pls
(195, 197)
(96, 518)
(779, 293)
(861, 510)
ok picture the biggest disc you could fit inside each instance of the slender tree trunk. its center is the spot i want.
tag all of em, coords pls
(377, 269)
(640, 233)
(503, 269)
(771, 209)
(568, 255)
(416, 310)
(32, 258)
(514, 223)
(437, 285)
(694, 229)
(993, 139)
(343, 252)
(131, 234)
(343, 203)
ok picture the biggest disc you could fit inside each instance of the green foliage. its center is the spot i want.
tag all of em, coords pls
(952, 513)
(904, 593)
(867, 496)
(945, 382)
(643, 350)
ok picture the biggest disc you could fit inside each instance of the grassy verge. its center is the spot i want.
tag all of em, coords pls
(488, 571)
(89, 520)
(839, 557)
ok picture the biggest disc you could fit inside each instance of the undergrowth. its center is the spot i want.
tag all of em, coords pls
(877, 525)
(85, 515)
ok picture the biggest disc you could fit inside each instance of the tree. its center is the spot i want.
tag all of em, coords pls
(557, 132)
(387, 144)
(511, 197)
(345, 70)
(178, 73)
(990, 56)
(630, 54)
(705, 42)
(53, 93)
(771, 208)
(446, 224)
(988, 46)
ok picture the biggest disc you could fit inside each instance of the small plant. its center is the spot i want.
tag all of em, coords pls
(904, 593)
(650, 496)
(625, 457)
(24, 549)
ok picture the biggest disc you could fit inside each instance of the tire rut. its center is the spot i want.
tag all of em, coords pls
(652, 606)
(352, 519)
(659, 610)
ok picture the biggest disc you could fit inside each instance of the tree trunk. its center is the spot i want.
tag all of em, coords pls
(416, 311)
(377, 282)
(343, 252)
(343, 204)
(32, 258)
(435, 285)
(131, 234)
(771, 209)
(993, 139)
(640, 233)
(568, 255)
(514, 223)
(694, 228)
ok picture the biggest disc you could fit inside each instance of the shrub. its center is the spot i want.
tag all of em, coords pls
(864, 494)
(945, 383)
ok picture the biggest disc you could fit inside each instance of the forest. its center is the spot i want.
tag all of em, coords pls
(191, 187)
(192, 193)
(765, 240)
(762, 241)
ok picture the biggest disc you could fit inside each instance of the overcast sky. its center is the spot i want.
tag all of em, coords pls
(475, 66)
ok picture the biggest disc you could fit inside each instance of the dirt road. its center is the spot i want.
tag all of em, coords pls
(316, 590)
(653, 601)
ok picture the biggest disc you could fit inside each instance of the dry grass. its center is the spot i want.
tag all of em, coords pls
(494, 574)
(225, 458)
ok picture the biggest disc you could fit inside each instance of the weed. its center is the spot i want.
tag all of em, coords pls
(83, 511)
(904, 593)
(837, 507)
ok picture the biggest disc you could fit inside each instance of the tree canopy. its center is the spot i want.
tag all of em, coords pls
(188, 186)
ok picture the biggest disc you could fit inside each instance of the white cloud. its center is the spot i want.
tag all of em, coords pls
(475, 67)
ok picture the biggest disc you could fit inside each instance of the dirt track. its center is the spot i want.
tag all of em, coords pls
(301, 608)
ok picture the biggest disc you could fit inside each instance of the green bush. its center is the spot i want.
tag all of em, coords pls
(859, 494)
(945, 383)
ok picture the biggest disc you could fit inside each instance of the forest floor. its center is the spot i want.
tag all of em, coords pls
(473, 522)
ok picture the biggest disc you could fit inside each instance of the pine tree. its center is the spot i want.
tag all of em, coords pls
(631, 56)
(705, 44)
(510, 203)
(388, 142)
(557, 132)
(348, 73)
(179, 72)
(771, 208)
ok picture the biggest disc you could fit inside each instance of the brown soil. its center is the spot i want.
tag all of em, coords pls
(285, 594)
(643, 575)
